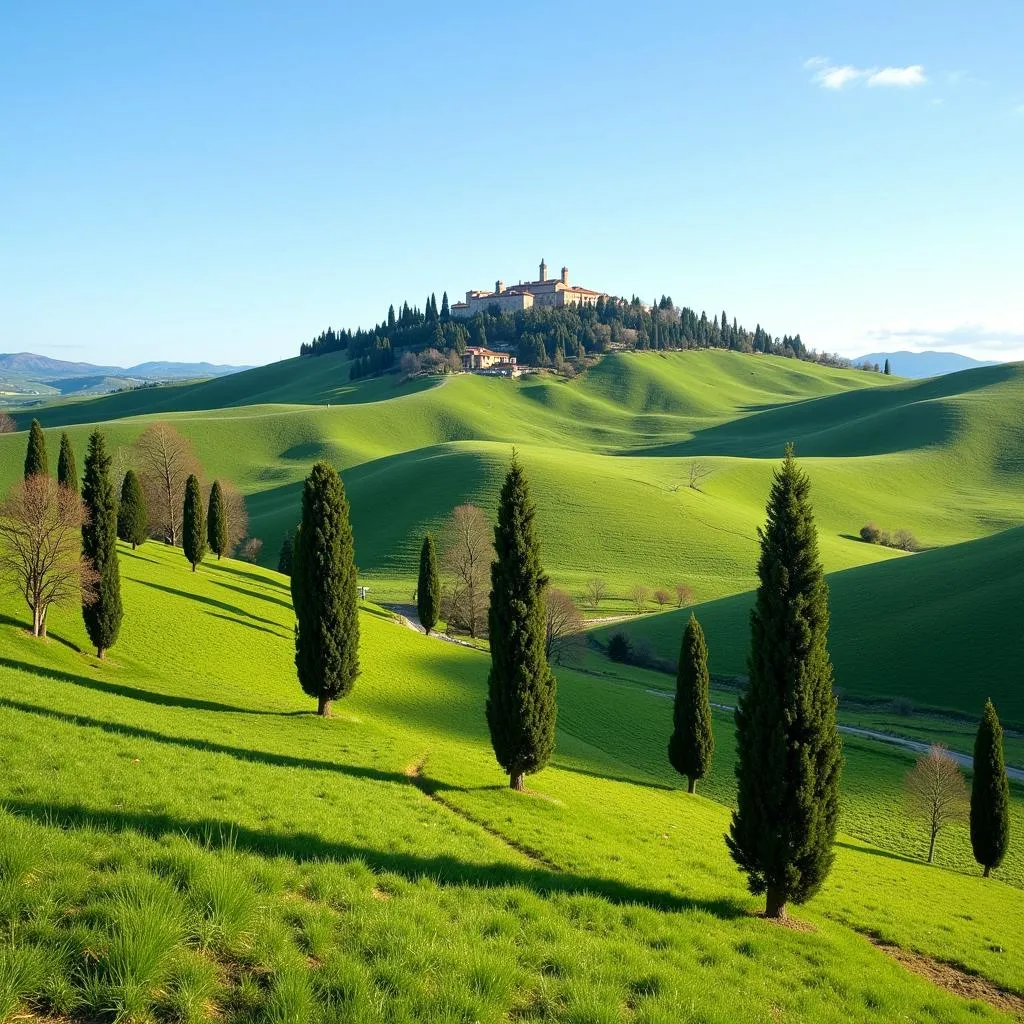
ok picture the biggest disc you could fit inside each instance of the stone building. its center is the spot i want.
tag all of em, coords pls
(476, 358)
(544, 291)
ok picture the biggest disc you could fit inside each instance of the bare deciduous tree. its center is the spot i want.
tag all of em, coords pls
(699, 472)
(40, 546)
(936, 791)
(564, 634)
(662, 596)
(594, 591)
(166, 460)
(467, 550)
(684, 595)
(7, 424)
(250, 550)
(639, 595)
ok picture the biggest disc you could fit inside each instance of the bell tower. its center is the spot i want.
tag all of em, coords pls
(543, 271)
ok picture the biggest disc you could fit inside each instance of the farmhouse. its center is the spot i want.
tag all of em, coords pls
(527, 294)
(476, 358)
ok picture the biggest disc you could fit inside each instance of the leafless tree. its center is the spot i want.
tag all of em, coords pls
(120, 463)
(936, 791)
(594, 591)
(564, 625)
(684, 595)
(166, 460)
(7, 424)
(699, 472)
(251, 549)
(40, 546)
(467, 550)
(662, 596)
(639, 594)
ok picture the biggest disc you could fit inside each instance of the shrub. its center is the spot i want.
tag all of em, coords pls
(902, 540)
(871, 534)
(620, 648)
(903, 706)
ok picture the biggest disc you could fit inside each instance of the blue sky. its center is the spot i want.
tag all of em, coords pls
(222, 181)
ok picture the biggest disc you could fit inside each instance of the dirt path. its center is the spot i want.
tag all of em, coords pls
(409, 617)
(917, 746)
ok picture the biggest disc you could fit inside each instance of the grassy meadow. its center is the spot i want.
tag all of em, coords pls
(187, 841)
(182, 839)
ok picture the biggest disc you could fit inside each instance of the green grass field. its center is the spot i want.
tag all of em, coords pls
(182, 839)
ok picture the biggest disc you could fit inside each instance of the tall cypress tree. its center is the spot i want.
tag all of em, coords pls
(521, 707)
(789, 754)
(324, 591)
(692, 744)
(428, 588)
(193, 528)
(132, 518)
(35, 457)
(888, 370)
(99, 544)
(217, 521)
(990, 794)
(67, 471)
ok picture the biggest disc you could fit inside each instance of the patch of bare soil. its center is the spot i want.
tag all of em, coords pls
(792, 923)
(952, 978)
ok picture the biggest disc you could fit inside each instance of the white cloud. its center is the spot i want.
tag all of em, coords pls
(836, 76)
(906, 77)
(972, 338)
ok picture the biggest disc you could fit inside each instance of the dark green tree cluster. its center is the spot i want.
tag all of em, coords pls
(692, 744)
(428, 587)
(990, 794)
(35, 456)
(285, 555)
(193, 525)
(132, 520)
(324, 591)
(67, 471)
(789, 754)
(103, 612)
(521, 690)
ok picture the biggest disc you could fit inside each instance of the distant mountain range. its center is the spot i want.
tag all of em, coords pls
(25, 376)
(923, 364)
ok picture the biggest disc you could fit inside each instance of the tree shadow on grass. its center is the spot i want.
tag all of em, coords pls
(9, 620)
(254, 576)
(141, 558)
(874, 851)
(638, 780)
(222, 605)
(130, 692)
(443, 870)
(252, 625)
(252, 593)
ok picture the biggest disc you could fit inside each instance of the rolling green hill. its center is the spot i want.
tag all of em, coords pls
(609, 455)
(181, 839)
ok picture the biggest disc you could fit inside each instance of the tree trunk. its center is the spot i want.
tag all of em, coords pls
(37, 622)
(775, 905)
(985, 873)
(515, 781)
(931, 850)
(99, 653)
(323, 708)
(193, 566)
(691, 784)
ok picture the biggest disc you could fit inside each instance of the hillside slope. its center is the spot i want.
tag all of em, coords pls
(376, 867)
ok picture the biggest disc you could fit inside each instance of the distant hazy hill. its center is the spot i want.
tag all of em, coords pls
(28, 374)
(923, 364)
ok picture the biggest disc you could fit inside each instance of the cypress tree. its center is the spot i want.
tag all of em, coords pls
(193, 529)
(692, 744)
(35, 457)
(990, 794)
(428, 589)
(217, 521)
(132, 518)
(324, 591)
(67, 471)
(789, 754)
(888, 371)
(521, 708)
(99, 544)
